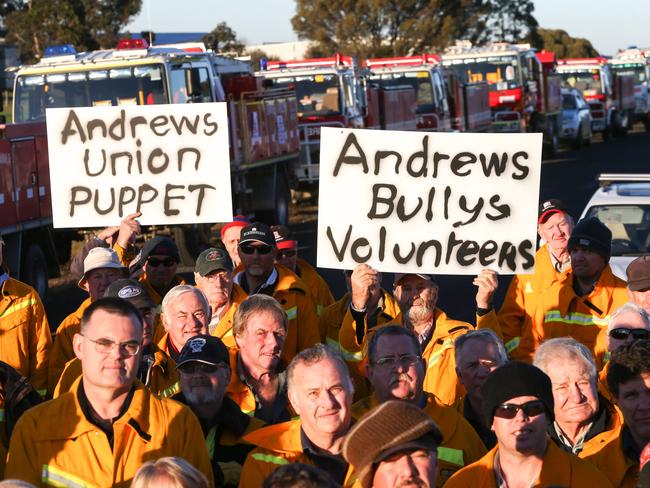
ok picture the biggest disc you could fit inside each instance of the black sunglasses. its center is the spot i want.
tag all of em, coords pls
(250, 249)
(155, 262)
(509, 410)
(623, 333)
(286, 253)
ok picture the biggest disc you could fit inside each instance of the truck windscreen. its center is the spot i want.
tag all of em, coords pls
(500, 72)
(130, 85)
(636, 70)
(316, 94)
(587, 81)
(419, 80)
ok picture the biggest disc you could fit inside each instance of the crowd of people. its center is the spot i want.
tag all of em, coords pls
(256, 376)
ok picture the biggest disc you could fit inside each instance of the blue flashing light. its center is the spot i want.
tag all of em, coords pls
(59, 50)
(264, 63)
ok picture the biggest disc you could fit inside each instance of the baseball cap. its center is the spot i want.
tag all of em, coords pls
(257, 232)
(160, 245)
(638, 273)
(593, 234)
(282, 237)
(213, 259)
(392, 427)
(549, 207)
(400, 276)
(131, 291)
(204, 349)
(100, 257)
(237, 221)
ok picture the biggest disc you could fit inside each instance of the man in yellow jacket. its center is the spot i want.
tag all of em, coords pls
(260, 274)
(102, 267)
(629, 381)
(100, 432)
(552, 261)
(320, 391)
(395, 369)
(417, 295)
(25, 338)
(518, 404)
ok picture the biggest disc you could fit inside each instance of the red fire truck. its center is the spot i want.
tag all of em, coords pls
(610, 96)
(636, 63)
(524, 91)
(264, 139)
(329, 93)
(444, 102)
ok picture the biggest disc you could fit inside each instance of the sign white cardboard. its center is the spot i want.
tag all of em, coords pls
(170, 162)
(444, 203)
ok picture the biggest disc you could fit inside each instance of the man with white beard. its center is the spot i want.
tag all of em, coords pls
(204, 370)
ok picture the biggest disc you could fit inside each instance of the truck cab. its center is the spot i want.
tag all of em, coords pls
(635, 62)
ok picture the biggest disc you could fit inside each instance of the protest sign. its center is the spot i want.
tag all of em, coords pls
(443, 203)
(170, 162)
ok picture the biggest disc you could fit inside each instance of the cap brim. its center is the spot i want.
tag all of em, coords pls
(194, 360)
(252, 239)
(542, 218)
(639, 284)
(400, 276)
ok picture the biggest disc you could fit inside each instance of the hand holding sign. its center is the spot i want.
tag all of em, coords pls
(487, 284)
(364, 281)
(129, 230)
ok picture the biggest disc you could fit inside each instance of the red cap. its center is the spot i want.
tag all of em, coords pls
(238, 221)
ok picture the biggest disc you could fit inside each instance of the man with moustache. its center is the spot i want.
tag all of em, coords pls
(320, 391)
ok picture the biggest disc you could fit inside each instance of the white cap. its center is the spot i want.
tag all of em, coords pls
(100, 257)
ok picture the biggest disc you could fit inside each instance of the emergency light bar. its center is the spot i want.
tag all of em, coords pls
(59, 50)
(573, 61)
(465, 47)
(132, 44)
(403, 61)
(607, 179)
(338, 60)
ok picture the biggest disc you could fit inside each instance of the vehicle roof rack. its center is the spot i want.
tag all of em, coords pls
(606, 179)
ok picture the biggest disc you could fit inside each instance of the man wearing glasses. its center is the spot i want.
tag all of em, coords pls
(518, 404)
(396, 370)
(258, 251)
(101, 431)
(205, 373)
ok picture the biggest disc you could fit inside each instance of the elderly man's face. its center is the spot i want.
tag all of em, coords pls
(160, 270)
(261, 343)
(575, 395)
(477, 360)
(98, 280)
(634, 401)
(556, 231)
(321, 393)
(417, 298)
(217, 287)
(184, 318)
(586, 263)
(203, 383)
(522, 434)
(231, 241)
(396, 370)
(408, 468)
(105, 350)
(640, 297)
(619, 330)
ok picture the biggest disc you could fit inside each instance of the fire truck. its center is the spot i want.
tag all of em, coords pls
(610, 96)
(263, 129)
(444, 102)
(635, 62)
(329, 93)
(524, 91)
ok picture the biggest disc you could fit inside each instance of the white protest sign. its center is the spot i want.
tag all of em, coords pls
(444, 203)
(170, 162)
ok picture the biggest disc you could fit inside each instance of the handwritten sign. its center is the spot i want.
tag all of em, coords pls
(443, 203)
(170, 162)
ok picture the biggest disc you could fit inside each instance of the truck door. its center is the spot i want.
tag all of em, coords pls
(7, 204)
(190, 83)
(23, 154)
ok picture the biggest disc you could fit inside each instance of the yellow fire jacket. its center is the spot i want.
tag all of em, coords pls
(223, 330)
(622, 471)
(318, 287)
(461, 444)
(278, 445)
(559, 468)
(25, 339)
(55, 444)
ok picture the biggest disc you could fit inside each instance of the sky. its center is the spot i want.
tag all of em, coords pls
(609, 25)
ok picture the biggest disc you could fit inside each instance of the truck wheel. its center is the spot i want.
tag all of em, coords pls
(34, 269)
(579, 140)
(550, 149)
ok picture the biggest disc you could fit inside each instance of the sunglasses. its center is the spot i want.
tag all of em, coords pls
(250, 249)
(623, 333)
(155, 262)
(197, 367)
(509, 410)
(286, 253)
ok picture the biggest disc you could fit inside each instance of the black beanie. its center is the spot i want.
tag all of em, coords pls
(512, 380)
(592, 233)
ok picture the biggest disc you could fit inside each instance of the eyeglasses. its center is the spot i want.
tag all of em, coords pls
(286, 253)
(106, 346)
(405, 360)
(250, 249)
(155, 262)
(623, 333)
(198, 367)
(509, 410)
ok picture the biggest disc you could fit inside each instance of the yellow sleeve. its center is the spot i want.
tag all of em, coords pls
(22, 459)
(40, 343)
